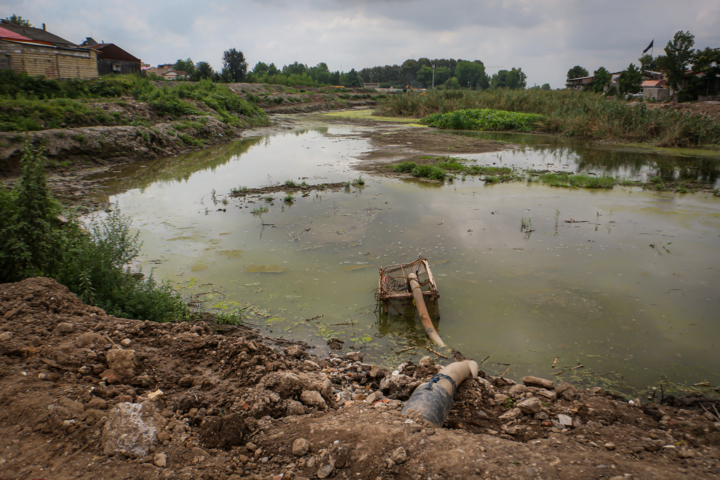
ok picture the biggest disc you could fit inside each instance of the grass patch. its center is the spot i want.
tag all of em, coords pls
(260, 210)
(578, 181)
(288, 198)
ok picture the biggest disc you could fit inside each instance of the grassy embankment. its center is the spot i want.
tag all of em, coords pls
(582, 115)
(35, 103)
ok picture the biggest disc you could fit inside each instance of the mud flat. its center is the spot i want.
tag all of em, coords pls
(224, 402)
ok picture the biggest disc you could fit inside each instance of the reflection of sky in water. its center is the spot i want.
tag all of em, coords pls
(540, 153)
(593, 293)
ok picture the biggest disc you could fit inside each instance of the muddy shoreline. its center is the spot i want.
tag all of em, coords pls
(225, 402)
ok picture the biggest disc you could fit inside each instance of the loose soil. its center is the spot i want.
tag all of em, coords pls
(235, 403)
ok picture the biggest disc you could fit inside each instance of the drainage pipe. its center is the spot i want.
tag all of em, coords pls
(423, 311)
(433, 399)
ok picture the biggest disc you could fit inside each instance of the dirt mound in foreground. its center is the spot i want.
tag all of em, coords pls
(87, 395)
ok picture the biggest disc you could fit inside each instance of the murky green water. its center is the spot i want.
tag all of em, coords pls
(593, 293)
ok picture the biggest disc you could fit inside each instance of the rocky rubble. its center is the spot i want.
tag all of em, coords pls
(87, 395)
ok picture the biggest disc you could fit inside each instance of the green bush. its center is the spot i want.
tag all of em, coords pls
(405, 167)
(483, 119)
(578, 181)
(92, 261)
(428, 171)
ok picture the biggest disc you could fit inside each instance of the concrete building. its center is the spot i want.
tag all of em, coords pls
(579, 83)
(36, 51)
(175, 75)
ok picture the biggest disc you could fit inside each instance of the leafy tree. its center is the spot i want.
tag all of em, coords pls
(452, 84)
(577, 72)
(708, 62)
(273, 70)
(235, 63)
(294, 69)
(425, 75)
(647, 62)
(442, 75)
(472, 74)
(546, 86)
(630, 80)
(18, 21)
(678, 55)
(202, 70)
(261, 68)
(187, 66)
(512, 79)
(409, 69)
(352, 79)
(602, 78)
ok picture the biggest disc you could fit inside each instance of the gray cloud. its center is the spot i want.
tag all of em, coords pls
(544, 37)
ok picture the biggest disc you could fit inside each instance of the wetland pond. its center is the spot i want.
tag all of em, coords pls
(630, 289)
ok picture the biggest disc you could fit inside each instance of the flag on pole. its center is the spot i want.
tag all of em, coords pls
(649, 47)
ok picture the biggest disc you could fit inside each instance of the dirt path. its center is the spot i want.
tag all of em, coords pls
(200, 401)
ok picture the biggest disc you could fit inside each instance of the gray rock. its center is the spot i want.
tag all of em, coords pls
(371, 398)
(325, 471)
(399, 455)
(500, 398)
(300, 447)
(537, 382)
(5, 336)
(131, 429)
(549, 394)
(354, 356)
(313, 399)
(125, 342)
(565, 420)
(610, 446)
(530, 406)
(160, 460)
(186, 381)
(542, 416)
(65, 327)
(517, 390)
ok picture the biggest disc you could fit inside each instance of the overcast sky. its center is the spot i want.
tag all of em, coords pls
(543, 37)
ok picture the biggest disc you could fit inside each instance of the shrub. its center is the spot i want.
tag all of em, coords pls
(91, 261)
(484, 119)
(428, 171)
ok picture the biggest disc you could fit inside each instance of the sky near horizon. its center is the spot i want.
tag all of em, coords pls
(543, 37)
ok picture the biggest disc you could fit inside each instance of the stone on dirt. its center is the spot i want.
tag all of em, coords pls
(325, 471)
(537, 382)
(160, 460)
(5, 336)
(294, 351)
(294, 408)
(565, 420)
(426, 361)
(313, 399)
(530, 406)
(511, 414)
(300, 447)
(354, 356)
(122, 362)
(65, 327)
(131, 429)
(399, 455)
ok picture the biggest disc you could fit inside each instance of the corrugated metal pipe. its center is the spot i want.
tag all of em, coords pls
(433, 399)
(423, 311)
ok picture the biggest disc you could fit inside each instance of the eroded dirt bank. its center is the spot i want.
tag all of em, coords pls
(86, 395)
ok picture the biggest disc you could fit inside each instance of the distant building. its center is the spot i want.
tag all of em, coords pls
(175, 75)
(113, 59)
(655, 89)
(36, 51)
(579, 83)
(160, 70)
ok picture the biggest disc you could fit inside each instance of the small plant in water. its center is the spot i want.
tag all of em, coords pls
(359, 182)
(260, 210)
(233, 317)
(214, 198)
(290, 183)
(269, 198)
(526, 225)
(288, 198)
(224, 201)
(238, 191)
(304, 185)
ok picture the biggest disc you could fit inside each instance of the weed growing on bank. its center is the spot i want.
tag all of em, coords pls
(579, 181)
(583, 115)
(484, 119)
(36, 103)
(91, 260)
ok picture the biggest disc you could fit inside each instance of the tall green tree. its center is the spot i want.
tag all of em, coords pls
(261, 68)
(647, 62)
(708, 62)
(602, 78)
(187, 66)
(202, 70)
(352, 79)
(472, 75)
(18, 21)
(678, 55)
(546, 86)
(576, 72)
(294, 69)
(236, 64)
(630, 80)
(512, 79)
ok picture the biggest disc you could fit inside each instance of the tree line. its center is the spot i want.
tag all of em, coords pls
(449, 74)
(680, 64)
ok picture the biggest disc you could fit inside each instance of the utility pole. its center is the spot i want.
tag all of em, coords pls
(433, 86)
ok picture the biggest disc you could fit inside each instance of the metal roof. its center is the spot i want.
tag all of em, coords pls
(37, 34)
(5, 33)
